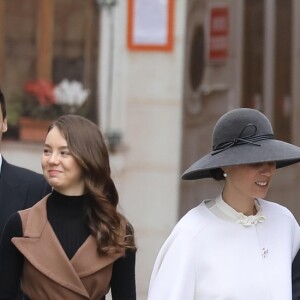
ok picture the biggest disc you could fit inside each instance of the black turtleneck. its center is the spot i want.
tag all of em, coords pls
(66, 214)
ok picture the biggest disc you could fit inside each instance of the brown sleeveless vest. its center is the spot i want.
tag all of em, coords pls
(47, 271)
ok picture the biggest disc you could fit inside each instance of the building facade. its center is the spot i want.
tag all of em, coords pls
(157, 98)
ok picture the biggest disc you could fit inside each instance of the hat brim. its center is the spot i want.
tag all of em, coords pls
(282, 153)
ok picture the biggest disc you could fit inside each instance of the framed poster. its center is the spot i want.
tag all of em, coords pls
(150, 25)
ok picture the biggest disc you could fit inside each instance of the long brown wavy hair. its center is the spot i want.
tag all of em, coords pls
(86, 143)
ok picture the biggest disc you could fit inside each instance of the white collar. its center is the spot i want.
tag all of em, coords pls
(226, 212)
(0, 162)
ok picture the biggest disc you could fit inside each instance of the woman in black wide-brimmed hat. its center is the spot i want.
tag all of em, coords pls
(237, 246)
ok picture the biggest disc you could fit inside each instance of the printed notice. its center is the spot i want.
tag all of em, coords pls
(150, 24)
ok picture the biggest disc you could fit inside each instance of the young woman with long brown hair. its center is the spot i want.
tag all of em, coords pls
(73, 244)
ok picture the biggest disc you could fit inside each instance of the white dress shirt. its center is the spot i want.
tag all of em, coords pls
(0, 162)
(224, 211)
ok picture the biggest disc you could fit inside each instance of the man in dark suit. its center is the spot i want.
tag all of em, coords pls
(20, 188)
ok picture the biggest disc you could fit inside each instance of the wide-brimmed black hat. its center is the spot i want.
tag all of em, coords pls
(243, 136)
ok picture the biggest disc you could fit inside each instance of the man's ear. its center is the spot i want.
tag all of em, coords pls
(5, 126)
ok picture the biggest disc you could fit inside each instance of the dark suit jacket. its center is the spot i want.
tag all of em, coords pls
(296, 277)
(19, 189)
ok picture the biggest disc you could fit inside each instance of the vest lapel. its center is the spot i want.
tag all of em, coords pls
(87, 261)
(42, 249)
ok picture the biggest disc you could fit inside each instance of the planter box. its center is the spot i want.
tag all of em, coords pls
(33, 130)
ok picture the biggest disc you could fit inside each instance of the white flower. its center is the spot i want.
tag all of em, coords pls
(70, 93)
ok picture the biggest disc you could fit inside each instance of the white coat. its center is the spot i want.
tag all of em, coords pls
(207, 258)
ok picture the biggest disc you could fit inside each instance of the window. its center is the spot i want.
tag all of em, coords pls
(50, 40)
